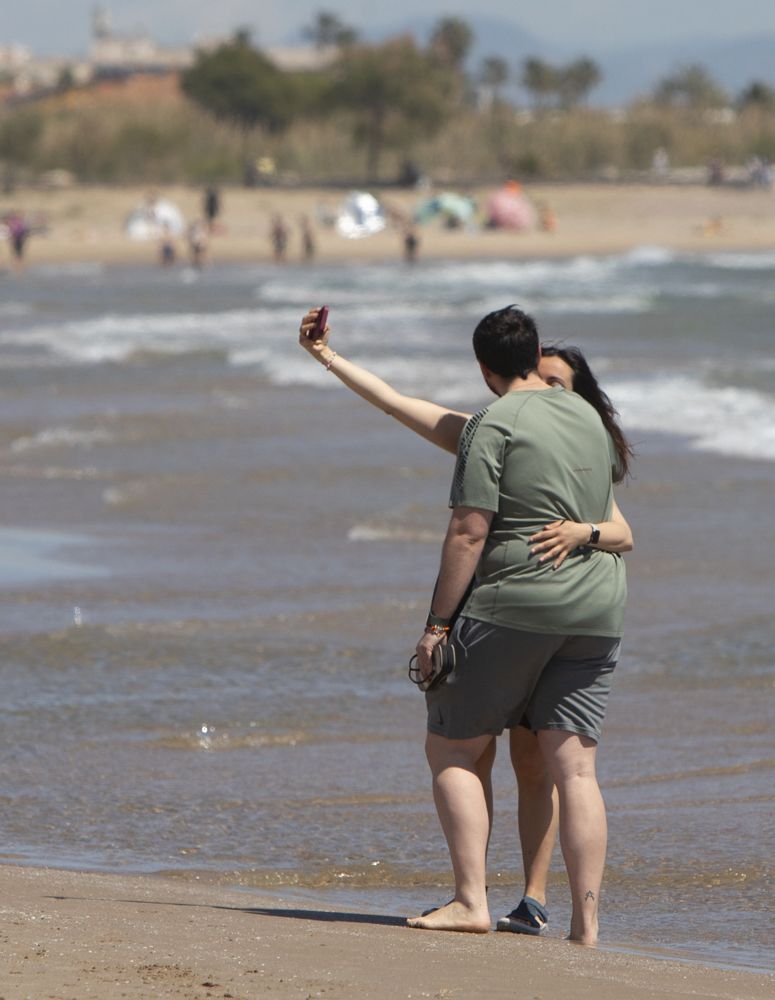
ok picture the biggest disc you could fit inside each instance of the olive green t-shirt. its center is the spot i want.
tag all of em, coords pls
(532, 457)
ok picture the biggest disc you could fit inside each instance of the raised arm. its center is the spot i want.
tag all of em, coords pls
(435, 423)
(558, 539)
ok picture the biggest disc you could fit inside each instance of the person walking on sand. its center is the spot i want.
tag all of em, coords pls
(539, 637)
(308, 247)
(18, 233)
(279, 238)
(211, 206)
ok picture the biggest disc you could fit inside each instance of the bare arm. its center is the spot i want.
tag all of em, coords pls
(463, 544)
(436, 424)
(558, 539)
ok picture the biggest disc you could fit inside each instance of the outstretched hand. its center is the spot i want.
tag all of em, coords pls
(557, 540)
(313, 347)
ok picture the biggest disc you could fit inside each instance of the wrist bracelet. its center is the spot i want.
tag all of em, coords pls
(437, 629)
(330, 361)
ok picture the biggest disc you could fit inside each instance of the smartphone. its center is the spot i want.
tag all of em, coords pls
(319, 328)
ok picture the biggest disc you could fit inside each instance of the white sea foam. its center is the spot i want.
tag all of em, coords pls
(727, 421)
(764, 261)
(61, 437)
(117, 337)
(391, 533)
(649, 256)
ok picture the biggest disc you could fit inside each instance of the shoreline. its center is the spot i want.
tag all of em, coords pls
(85, 224)
(75, 933)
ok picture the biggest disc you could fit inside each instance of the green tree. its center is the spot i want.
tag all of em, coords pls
(757, 95)
(396, 92)
(328, 30)
(575, 81)
(66, 78)
(493, 75)
(238, 83)
(692, 88)
(451, 41)
(540, 80)
(20, 134)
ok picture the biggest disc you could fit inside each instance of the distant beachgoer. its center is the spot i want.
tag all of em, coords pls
(660, 163)
(411, 244)
(547, 220)
(716, 172)
(197, 244)
(212, 206)
(307, 239)
(279, 236)
(167, 249)
(18, 233)
(714, 226)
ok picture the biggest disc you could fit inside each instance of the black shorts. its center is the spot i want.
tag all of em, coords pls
(505, 677)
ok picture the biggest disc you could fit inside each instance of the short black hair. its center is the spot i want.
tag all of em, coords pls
(506, 342)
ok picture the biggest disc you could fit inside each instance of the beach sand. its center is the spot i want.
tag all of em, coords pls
(85, 223)
(76, 936)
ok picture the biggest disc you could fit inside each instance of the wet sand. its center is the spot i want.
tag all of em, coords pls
(76, 936)
(85, 224)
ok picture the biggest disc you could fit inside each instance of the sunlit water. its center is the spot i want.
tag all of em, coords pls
(215, 562)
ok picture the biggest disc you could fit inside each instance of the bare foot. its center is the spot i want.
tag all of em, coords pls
(433, 909)
(588, 939)
(454, 916)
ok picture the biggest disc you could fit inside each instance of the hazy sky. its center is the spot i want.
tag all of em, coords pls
(63, 25)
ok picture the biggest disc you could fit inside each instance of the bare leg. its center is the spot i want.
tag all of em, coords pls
(461, 803)
(484, 770)
(583, 831)
(537, 810)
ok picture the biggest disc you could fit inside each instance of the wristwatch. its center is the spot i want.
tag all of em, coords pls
(594, 538)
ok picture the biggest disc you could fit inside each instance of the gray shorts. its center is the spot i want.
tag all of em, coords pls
(505, 677)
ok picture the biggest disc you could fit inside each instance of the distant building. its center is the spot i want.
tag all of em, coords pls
(116, 54)
(120, 56)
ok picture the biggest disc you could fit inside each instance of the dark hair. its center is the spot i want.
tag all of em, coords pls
(506, 342)
(586, 385)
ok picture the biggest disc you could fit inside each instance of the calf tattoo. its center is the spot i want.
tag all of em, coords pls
(589, 895)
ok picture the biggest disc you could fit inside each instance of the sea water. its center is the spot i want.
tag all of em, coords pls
(216, 561)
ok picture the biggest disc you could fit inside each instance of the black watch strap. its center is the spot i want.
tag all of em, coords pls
(594, 537)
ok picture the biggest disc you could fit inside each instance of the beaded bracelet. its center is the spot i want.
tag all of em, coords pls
(330, 361)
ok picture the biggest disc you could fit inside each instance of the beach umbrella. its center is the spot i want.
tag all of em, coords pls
(153, 218)
(508, 208)
(360, 215)
(456, 209)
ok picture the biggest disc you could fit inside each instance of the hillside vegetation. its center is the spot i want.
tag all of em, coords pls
(377, 114)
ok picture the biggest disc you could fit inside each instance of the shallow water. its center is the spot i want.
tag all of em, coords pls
(216, 561)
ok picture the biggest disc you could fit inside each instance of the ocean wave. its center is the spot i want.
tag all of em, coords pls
(118, 338)
(61, 437)
(649, 256)
(762, 261)
(591, 305)
(727, 421)
(12, 309)
(391, 533)
(74, 269)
